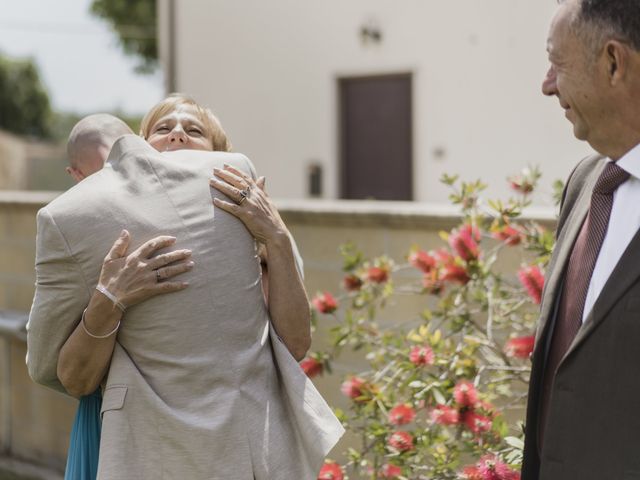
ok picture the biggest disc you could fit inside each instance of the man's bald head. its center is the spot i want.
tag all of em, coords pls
(90, 142)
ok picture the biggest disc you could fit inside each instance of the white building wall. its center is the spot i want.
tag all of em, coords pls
(269, 69)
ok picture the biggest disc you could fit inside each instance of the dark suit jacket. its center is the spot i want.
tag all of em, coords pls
(593, 430)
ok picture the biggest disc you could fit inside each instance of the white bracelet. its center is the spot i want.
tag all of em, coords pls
(111, 297)
(84, 326)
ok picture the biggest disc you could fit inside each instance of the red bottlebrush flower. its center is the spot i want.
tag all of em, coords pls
(444, 415)
(520, 347)
(432, 283)
(508, 235)
(352, 282)
(353, 387)
(401, 414)
(487, 408)
(465, 242)
(325, 303)
(476, 423)
(455, 273)
(331, 471)
(465, 394)
(378, 274)
(311, 367)
(532, 279)
(421, 355)
(422, 260)
(443, 257)
(401, 441)
(520, 184)
(471, 473)
(450, 271)
(390, 471)
(491, 468)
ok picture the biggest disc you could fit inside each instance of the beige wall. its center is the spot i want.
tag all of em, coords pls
(270, 70)
(35, 422)
(28, 164)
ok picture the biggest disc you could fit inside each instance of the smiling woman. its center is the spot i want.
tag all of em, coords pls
(178, 122)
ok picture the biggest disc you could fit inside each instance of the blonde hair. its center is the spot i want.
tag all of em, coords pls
(213, 128)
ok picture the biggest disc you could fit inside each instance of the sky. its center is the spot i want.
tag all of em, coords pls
(80, 61)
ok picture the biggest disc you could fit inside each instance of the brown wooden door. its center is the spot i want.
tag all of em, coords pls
(375, 136)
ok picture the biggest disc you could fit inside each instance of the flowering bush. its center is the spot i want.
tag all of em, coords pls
(444, 392)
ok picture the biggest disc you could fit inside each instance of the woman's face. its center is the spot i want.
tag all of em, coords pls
(180, 129)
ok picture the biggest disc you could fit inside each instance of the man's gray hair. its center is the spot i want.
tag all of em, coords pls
(97, 129)
(597, 21)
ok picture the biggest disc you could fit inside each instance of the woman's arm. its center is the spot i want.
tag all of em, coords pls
(84, 358)
(286, 296)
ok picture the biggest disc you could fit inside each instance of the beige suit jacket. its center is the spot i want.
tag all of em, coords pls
(199, 386)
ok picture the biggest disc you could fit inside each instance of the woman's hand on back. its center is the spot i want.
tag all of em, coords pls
(137, 276)
(250, 203)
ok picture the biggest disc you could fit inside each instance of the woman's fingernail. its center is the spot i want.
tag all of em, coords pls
(190, 264)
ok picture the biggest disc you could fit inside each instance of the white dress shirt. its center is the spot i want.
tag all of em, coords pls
(623, 225)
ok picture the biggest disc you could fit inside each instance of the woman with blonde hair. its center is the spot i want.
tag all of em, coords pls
(165, 114)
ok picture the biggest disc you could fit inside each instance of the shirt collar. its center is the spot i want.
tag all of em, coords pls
(630, 161)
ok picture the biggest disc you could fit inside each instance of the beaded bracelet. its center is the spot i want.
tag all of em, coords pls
(84, 326)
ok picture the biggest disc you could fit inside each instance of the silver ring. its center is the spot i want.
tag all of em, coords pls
(158, 277)
(243, 195)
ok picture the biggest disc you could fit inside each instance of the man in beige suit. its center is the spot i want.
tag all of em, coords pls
(200, 386)
(583, 420)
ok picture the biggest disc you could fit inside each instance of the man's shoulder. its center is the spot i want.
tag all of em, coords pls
(584, 169)
(196, 159)
(78, 198)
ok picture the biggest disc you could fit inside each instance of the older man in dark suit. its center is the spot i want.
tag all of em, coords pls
(583, 417)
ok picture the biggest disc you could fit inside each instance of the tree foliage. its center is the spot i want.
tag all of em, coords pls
(24, 102)
(134, 21)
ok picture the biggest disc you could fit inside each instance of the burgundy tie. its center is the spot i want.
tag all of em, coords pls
(578, 277)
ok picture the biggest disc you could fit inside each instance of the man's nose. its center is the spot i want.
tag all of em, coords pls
(549, 86)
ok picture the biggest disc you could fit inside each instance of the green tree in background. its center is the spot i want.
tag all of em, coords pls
(134, 21)
(24, 102)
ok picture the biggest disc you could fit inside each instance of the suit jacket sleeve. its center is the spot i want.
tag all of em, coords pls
(60, 297)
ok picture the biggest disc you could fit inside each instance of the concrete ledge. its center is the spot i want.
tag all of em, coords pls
(26, 471)
(396, 215)
(13, 324)
(26, 198)
(348, 213)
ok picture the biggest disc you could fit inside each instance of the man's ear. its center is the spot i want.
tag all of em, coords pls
(616, 57)
(76, 174)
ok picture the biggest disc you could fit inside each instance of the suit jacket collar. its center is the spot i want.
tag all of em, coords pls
(562, 250)
(128, 145)
(617, 285)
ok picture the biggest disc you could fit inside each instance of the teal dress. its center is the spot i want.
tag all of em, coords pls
(84, 445)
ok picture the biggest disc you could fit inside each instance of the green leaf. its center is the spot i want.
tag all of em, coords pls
(438, 396)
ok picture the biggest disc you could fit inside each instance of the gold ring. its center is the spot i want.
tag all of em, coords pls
(158, 277)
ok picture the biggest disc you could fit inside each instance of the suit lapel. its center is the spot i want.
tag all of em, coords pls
(562, 252)
(616, 286)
